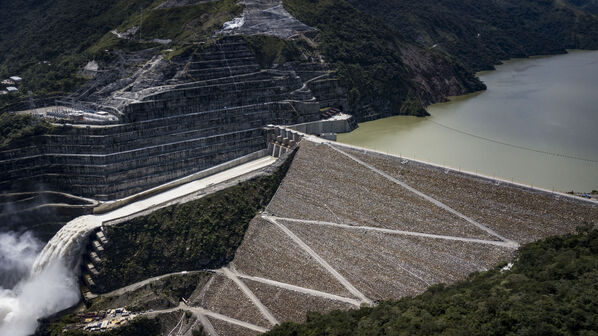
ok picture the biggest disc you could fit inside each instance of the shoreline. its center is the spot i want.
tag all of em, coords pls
(560, 155)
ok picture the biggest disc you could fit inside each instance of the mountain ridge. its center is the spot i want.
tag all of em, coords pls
(393, 57)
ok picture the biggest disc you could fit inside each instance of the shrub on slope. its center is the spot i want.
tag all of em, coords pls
(15, 126)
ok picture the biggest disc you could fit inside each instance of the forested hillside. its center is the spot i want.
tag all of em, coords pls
(481, 33)
(58, 32)
(552, 289)
(13, 127)
(374, 61)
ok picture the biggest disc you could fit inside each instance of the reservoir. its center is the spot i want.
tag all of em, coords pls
(536, 124)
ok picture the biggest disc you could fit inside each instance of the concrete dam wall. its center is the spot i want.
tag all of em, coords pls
(216, 115)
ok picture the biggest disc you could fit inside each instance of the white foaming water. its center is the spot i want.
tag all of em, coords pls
(66, 245)
(51, 284)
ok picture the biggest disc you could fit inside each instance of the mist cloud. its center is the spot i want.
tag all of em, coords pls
(17, 254)
(35, 294)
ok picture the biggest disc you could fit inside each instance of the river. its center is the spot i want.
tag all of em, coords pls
(536, 124)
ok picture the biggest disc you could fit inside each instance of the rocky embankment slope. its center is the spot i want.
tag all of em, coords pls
(349, 227)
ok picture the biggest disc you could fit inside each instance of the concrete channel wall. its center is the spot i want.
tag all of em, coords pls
(329, 126)
(43, 212)
(109, 206)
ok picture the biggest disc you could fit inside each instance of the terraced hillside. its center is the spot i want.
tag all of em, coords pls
(211, 111)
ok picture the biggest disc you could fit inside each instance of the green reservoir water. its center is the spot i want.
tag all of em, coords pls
(536, 124)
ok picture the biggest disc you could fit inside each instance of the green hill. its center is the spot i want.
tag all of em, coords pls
(481, 33)
(58, 32)
(550, 290)
(395, 55)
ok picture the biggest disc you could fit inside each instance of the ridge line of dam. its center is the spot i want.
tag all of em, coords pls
(457, 170)
(405, 233)
(424, 196)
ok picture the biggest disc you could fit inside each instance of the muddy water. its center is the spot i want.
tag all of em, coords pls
(536, 124)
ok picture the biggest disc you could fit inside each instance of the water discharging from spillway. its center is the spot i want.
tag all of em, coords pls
(51, 285)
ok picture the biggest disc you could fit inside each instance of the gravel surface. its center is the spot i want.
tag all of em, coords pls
(519, 214)
(323, 184)
(386, 266)
(267, 252)
(224, 297)
(173, 324)
(228, 329)
(287, 305)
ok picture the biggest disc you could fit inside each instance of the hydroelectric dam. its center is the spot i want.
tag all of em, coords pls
(345, 227)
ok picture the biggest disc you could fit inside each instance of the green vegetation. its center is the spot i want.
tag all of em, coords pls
(16, 126)
(50, 41)
(182, 25)
(412, 106)
(198, 332)
(269, 50)
(186, 24)
(366, 52)
(57, 32)
(200, 234)
(137, 327)
(552, 289)
(481, 34)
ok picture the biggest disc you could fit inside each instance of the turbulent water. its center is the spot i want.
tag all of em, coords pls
(66, 245)
(536, 124)
(36, 284)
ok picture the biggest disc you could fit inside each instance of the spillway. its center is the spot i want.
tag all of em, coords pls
(65, 247)
(53, 285)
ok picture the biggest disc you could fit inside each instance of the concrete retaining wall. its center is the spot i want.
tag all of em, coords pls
(169, 132)
(326, 126)
(109, 206)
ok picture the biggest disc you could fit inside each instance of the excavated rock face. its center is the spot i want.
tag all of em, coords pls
(265, 17)
(435, 78)
(176, 119)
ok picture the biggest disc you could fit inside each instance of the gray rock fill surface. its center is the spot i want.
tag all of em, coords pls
(265, 17)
